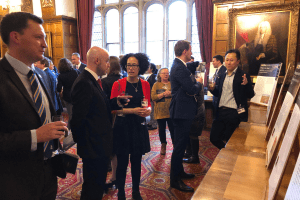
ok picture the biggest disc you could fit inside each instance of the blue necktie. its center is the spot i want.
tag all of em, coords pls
(38, 100)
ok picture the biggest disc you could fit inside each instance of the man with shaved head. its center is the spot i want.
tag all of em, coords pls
(91, 123)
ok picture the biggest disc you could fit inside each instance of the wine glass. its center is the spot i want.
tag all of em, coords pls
(56, 118)
(144, 105)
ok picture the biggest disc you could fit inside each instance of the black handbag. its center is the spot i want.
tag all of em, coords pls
(64, 162)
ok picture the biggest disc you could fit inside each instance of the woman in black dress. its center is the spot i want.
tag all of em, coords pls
(131, 135)
(65, 81)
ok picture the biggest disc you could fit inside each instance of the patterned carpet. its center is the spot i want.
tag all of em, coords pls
(155, 178)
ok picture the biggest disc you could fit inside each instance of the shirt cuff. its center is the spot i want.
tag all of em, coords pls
(33, 140)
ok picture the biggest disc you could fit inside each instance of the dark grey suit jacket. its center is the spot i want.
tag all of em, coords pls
(221, 71)
(81, 68)
(91, 121)
(21, 170)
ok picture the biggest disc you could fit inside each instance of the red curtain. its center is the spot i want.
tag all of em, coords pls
(204, 13)
(85, 16)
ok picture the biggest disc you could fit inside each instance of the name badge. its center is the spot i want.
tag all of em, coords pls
(241, 110)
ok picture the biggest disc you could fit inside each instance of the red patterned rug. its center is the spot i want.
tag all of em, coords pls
(155, 178)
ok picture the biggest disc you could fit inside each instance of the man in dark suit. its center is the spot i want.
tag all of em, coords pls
(91, 123)
(26, 171)
(233, 88)
(183, 109)
(44, 65)
(220, 69)
(77, 63)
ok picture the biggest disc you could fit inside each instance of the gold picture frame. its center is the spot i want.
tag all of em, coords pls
(48, 50)
(278, 17)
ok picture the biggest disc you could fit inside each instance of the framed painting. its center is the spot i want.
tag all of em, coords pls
(264, 35)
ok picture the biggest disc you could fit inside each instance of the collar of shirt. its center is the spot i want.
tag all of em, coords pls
(233, 73)
(78, 65)
(182, 61)
(19, 66)
(93, 73)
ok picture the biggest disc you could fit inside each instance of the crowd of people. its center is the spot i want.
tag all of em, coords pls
(107, 117)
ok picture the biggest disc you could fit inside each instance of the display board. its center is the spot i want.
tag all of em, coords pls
(293, 191)
(283, 114)
(284, 152)
(271, 111)
(266, 83)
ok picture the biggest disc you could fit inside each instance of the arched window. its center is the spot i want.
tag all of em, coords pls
(97, 30)
(195, 38)
(97, 3)
(111, 1)
(112, 32)
(154, 33)
(177, 27)
(131, 30)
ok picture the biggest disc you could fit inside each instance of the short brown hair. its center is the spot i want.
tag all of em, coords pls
(45, 62)
(180, 46)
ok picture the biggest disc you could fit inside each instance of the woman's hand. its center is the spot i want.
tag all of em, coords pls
(167, 93)
(142, 112)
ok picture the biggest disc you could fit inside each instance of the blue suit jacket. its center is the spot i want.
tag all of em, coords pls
(53, 83)
(183, 104)
(241, 93)
(221, 71)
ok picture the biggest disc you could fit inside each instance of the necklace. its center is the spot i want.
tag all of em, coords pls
(135, 88)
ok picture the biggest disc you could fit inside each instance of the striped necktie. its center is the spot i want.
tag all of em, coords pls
(100, 83)
(38, 101)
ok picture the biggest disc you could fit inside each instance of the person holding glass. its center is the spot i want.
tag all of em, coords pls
(130, 133)
(161, 96)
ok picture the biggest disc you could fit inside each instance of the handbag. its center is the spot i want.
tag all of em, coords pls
(64, 162)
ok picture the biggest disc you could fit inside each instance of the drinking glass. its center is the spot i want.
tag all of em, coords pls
(144, 105)
(56, 118)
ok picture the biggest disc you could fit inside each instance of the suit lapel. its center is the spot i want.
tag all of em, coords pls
(16, 80)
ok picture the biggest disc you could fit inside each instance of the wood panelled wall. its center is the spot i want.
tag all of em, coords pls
(63, 36)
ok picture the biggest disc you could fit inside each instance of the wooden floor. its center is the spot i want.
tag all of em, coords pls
(238, 172)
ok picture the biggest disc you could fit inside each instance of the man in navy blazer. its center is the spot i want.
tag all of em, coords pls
(25, 172)
(77, 63)
(233, 89)
(52, 82)
(183, 108)
(91, 123)
(220, 69)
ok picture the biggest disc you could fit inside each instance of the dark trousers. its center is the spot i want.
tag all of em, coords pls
(193, 147)
(48, 189)
(224, 126)
(94, 177)
(182, 129)
(135, 160)
(162, 129)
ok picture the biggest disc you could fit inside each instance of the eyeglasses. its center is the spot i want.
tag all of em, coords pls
(132, 66)
(164, 73)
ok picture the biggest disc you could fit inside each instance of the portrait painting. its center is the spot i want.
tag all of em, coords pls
(264, 35)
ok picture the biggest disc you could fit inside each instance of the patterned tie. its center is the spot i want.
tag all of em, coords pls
(37, 98)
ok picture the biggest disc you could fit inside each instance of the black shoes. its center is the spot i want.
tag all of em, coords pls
(191, 159)
(136, 196)
(180, 185)
(184, 175)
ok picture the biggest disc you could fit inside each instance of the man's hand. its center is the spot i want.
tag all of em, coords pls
(123, 100)
(199, 79)
(245, 81)
(50, 131)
